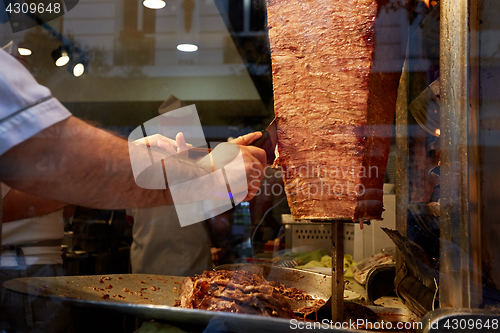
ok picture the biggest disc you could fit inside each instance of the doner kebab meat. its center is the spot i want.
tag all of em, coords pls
(242, 292)
(332, 158)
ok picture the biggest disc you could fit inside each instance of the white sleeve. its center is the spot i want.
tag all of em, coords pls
(26, 107)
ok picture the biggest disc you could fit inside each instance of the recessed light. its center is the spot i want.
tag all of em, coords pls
(61, 56)
(154, 4)
(187, 47)
(78, 69)
(62, 60)
(24, 51)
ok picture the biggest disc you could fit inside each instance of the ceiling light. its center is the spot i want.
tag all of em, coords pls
(62, 60)
(24, 51)
(61, 56)
(79, 63)
(154, 4)
(187, 47)
(79, 69)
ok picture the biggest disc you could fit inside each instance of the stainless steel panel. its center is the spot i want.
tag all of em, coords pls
(157, 303)
(402, 159)
(459, 158)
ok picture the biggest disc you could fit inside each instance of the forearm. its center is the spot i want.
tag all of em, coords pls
(18, 205)
(76, 163)
(79, 164)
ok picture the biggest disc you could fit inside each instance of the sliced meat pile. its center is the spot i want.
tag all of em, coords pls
(332, 159)
(239, 292)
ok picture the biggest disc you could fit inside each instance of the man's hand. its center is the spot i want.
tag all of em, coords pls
(168, 145)
(254, 160)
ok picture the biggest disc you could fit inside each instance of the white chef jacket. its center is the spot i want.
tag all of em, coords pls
(26, 107)
(31, 231)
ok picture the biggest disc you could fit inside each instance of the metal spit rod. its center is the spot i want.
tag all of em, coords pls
(337, 270)
(337, 254)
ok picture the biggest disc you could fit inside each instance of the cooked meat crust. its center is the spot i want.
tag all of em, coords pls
(239, 292)
(332, 158)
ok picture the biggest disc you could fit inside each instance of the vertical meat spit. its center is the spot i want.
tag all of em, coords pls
(295, 238)
(337, 270)
(337, 254)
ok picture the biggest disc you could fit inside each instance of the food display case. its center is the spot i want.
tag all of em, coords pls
(433, 261)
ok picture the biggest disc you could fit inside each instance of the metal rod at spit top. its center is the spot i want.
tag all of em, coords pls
(337, 270)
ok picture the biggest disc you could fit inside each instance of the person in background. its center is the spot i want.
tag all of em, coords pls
(160, 245)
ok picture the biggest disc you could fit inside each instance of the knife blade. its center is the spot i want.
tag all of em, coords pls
(268, 141)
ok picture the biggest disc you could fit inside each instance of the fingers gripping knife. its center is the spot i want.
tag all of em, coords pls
(267, 141)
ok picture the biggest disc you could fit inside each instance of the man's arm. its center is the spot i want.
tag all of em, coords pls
(18, 205)
(76, 163)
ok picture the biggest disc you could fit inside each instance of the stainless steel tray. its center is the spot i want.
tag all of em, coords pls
(157, 304)
(122, 288)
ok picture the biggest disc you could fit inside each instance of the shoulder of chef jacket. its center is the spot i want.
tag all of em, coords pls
(26, 107)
